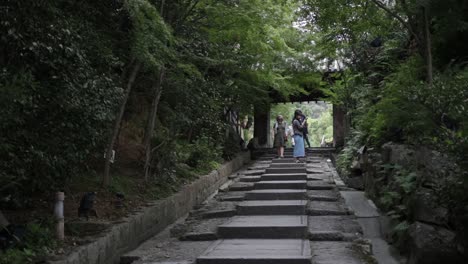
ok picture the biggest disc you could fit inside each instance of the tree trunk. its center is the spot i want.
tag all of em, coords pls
(161, 11)
(3, 221)
(157, 88)
(428, 46)
(106, 177)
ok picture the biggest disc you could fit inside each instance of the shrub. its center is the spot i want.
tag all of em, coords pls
(37, 243)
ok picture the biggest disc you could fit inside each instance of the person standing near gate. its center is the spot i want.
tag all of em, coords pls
(306, 130)
(279, 130)
(298, 128)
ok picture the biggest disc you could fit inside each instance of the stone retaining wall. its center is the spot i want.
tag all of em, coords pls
(152, 219)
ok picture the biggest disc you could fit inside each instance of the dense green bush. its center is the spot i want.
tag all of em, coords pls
(349, 152)
(56, 103)
(36, 244)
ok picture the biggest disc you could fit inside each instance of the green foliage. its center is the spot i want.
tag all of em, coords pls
(64, 65)
(321, 127)
(396, 198)
(151, 36)
(37, 243)
(349, 152)
(56, 103)
(201, 153)
(320, 119)
(231, 145)
(386, 88)
(402, 185)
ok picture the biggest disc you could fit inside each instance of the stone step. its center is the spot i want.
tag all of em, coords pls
(258, 167)
(334, 228)
(257, 251)
(250, 178)
(206, 236)
(319, 185)
(327, 177)
(284, 177)
(280, 185)
(330, 252)
(253, 172)
(284, 160)
(218, 213)
(278, 207)
(323, 195)
(241, 186)
(231, 198)
(312, 170)
(287, 165)
(315, 166)
(279, 226)
(274, 156)
(285, 170)
(262, 158)
(278, 194)
(326, 208)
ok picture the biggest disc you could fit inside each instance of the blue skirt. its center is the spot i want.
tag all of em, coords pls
(299, 147)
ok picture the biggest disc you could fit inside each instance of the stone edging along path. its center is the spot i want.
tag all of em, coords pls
(137, 228)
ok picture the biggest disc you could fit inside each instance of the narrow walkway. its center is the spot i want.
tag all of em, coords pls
(276, 211)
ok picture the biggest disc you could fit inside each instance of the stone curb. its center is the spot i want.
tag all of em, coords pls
(150, 220)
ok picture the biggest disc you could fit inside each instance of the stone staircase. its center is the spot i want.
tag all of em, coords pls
(272, 224)
(276, 211)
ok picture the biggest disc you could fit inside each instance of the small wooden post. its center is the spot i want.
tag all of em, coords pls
(58, 211)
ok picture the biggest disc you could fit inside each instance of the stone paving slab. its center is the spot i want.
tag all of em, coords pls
(278, 194)
(263, 162)
(319, 177)
(280, 185)
(323, 195)
(358, 202)
(167, 262)
(278, 207)
(241, 186)
(219, 213)
(165, 251)
(213, 204)
(253, 172)
(230, 196)
(258, 167)
(233, 198)
(262, 158)
(257, 251)
(315, 166)
(272, 157)
(326, 208)
(199, 230)
(250, 178)
(337, 253)
(281, 226)
(284, 177)
(333, 228)
(193, 236)
(285, 160)
(315, 171)
(287, 165)
(285, 170)
(320, 185)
